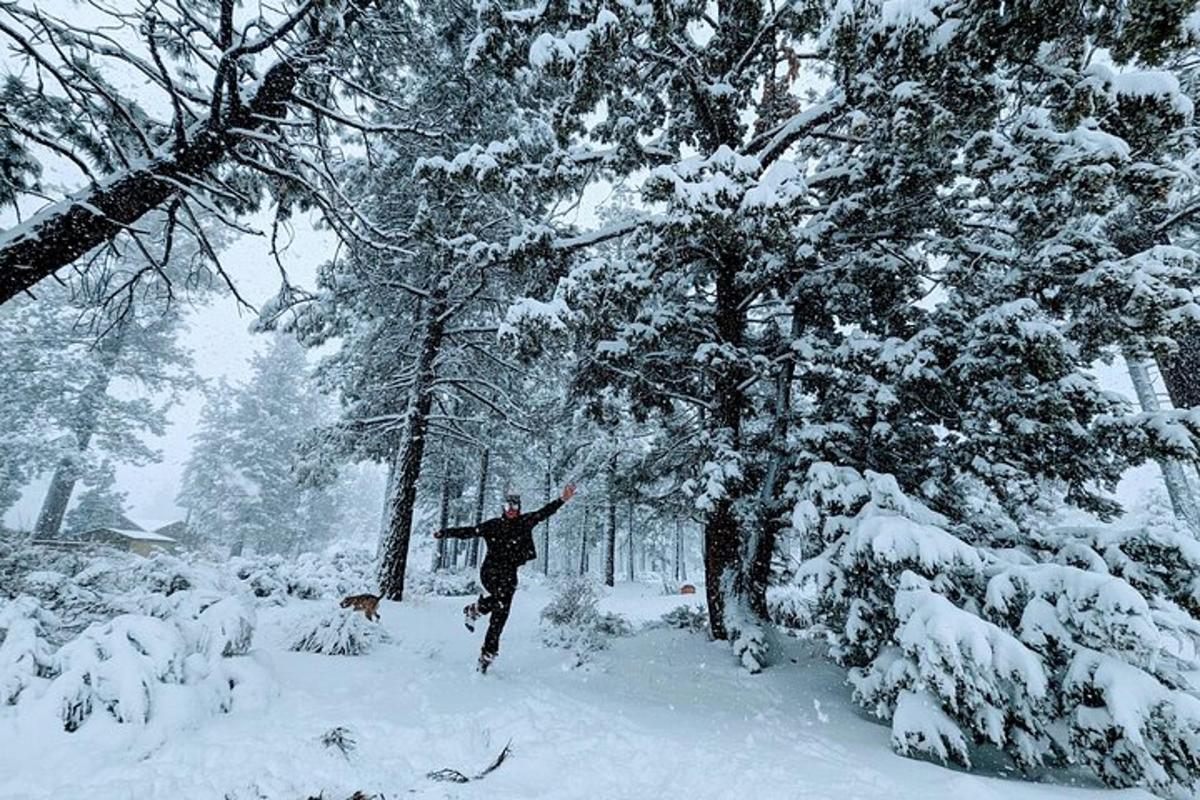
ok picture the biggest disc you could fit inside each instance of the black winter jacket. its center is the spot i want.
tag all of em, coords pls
(509, 541)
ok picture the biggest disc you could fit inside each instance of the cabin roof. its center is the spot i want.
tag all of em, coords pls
(146, 536)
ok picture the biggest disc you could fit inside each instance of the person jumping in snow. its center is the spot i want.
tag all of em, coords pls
(509, 540)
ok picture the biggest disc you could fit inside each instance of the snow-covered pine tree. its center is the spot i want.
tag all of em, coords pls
(275, 410)
(683, 319)
(951, 410)
(417, 317)
(82, 383)
(240, 482)
(212, 488)
(242, 110)
(100, 504)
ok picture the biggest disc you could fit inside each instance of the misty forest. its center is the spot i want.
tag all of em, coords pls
(606, 399)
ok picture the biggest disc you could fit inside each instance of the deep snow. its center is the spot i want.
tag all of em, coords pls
(664, 713)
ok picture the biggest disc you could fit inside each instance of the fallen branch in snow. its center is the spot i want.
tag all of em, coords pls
(454, 776)
(340, 738)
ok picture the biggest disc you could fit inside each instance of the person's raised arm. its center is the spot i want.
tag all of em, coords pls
(547, 510)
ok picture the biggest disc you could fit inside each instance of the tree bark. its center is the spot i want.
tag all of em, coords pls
(410, 454)
(631, 576)
(678, 550)
(87, 415)
(682, 557)
(610, 550)
(1179, 490)
(762, 540)
(473, 545)
(61, 233)
(721, 534)
(440, 551)
(1182, 374)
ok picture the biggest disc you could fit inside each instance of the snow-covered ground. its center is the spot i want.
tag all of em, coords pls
(664, 713)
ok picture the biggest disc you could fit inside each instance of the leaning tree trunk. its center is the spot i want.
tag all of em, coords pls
(610, 550)
(87, 415)
(761, 546)
(473, 545)
(1179, 490)
(409, 454)
(721, 533)
(66, 230)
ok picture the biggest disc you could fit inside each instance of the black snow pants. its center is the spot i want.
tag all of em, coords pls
(500, 583)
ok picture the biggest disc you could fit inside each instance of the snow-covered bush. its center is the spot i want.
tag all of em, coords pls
(125, 637)
(116, 668)
(572, 621)
(335, 572)
(686, 618)
(790, 606)
(130, 667)
(26, 655)
(336, 632)
(445, 583)
(1066, 649)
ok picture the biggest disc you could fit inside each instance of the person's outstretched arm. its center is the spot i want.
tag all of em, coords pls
(547, 510)
(465, 531)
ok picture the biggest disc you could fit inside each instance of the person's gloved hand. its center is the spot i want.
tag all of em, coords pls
(437, 534)
(568, 492)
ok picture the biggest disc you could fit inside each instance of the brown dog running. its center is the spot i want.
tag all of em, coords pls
(366, 603)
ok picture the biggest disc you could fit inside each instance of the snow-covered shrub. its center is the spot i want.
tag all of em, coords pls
(747, 634)
(26, 655)
(51, 577)
(336, 632)
(335, 572)
(116, 668)
(572, 621)
(445, 583)
(686, 618)
(1045, 650)
(128, 638)
(126, 667)
(790, 606)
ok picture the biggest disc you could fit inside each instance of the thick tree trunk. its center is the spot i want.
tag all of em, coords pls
(61, 233)
(87, 415)
(473, 544)
(409, 455)
(610, 550)
(721, 534)
(761, 547)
